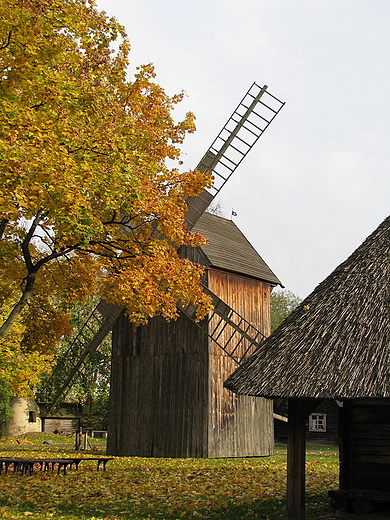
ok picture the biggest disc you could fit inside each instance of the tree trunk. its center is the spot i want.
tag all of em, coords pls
(3, 224)
(18, 307)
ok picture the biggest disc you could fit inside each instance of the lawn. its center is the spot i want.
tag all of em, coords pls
(145, 488)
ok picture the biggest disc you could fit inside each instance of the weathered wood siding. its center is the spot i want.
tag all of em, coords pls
(167, 397)
(159, 387)
(238, 425)
(61, 424)
(365, 445)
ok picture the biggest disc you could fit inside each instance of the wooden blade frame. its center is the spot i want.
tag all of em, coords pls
(240, 337)
(98, 324)
(246, 125)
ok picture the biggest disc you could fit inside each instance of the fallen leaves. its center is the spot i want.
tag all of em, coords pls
(146, 488)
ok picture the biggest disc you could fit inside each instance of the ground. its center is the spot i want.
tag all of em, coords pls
(136, 488)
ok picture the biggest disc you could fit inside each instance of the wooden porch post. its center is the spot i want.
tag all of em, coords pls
(298, 411)
(296, 453)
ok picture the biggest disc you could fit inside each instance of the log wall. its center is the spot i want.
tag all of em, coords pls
(365, 445)
(167, 397)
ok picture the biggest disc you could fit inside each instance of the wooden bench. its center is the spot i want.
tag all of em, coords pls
(100, 461)
(26, 465)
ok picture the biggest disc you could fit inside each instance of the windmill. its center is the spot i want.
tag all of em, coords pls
(225, 327)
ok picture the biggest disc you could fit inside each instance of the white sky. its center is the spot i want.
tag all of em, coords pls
(317, 183)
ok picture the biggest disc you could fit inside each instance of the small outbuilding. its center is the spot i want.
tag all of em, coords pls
(25, 417)
(335, 345)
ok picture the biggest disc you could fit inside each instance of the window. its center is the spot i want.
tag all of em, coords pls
(32, 416)
(317, 422)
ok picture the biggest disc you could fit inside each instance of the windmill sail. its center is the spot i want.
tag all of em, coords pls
(246, 125)
(235, 335)
(90, 336)
(250, 119)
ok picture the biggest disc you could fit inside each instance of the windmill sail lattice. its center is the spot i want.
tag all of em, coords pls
(90, 336)
(245, 126)
(235, 335)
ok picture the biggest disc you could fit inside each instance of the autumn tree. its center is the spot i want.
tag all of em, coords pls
(87, 203)
(283, 302)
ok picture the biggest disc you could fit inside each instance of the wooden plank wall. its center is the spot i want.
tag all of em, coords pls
(62, 424)
(365, 447)
(159, 387)
(167, 397)
(238, 425)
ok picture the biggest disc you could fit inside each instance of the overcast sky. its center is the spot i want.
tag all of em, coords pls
(317, 183)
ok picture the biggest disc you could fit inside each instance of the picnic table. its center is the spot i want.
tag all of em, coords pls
(26, 465)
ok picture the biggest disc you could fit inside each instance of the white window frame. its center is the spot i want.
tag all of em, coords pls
(317, 422)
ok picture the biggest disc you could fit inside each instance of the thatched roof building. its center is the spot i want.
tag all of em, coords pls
(336, 343)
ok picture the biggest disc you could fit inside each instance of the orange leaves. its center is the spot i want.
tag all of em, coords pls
(153, 282)
(85, 189)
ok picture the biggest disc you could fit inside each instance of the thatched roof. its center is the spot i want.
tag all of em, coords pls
(228, 249)
(336, 343)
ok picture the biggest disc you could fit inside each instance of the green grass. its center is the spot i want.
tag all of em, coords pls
(167, 489)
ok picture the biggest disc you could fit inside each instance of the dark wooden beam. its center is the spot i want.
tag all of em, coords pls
(345, 446)
(298, 411)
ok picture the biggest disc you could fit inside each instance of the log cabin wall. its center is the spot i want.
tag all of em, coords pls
(159, 387)
(239, 426)
(330, 435)
(365, 445)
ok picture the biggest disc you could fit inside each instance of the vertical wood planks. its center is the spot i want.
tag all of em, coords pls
(238, 425)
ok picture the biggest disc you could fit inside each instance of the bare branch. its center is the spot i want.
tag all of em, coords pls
(3, 225)
(7, 42)
(27, 240)
(39, 105)
(93, 149)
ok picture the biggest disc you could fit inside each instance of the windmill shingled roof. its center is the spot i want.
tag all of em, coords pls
(228, 249)
(336, 343)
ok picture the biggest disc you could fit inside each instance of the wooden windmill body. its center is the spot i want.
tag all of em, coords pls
(165, 376)
(167, 395)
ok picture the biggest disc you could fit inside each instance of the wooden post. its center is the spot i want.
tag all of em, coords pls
(86, 440)
(296, 453)
(298, 411)
(345, 446)
(78, 440)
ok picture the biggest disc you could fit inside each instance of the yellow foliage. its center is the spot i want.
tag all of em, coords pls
(87, 203)
(20, 368)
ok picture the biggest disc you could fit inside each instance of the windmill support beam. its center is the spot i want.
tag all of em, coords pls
(298, 412)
